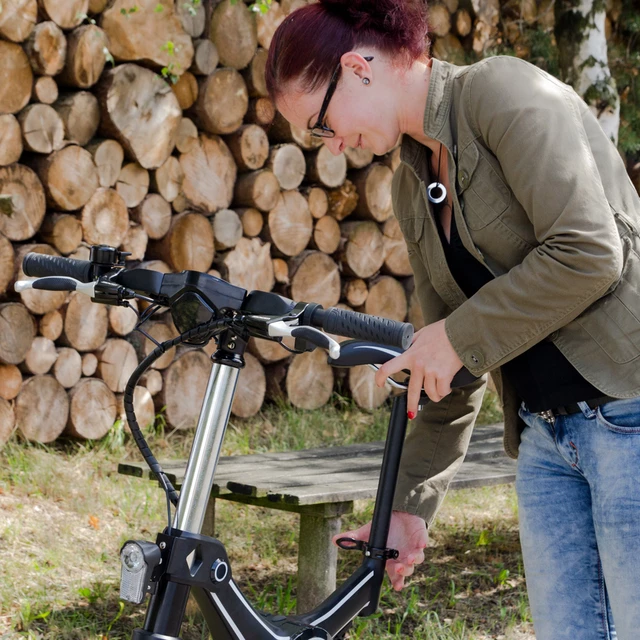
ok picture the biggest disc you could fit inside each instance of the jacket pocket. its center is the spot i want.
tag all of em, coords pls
(483, 190)
(614, 320)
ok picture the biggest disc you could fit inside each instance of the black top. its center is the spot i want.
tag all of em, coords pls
(542, 376)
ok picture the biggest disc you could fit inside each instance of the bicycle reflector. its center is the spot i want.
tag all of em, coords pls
(138, 559)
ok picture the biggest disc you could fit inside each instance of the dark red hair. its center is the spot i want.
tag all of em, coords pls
(309, 43)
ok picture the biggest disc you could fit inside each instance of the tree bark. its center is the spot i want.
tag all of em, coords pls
(7, 421)
(133, 184)
(186, 90)
(582, 46)
(192, 17)
(17, 331)
(87, 48)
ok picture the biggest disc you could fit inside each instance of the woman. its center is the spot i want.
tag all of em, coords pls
(522, 229)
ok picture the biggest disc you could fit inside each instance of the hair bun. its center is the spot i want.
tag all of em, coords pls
(397, 18)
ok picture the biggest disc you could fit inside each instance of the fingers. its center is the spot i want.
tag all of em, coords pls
(413, 393)
(389, 368)
(359, 534)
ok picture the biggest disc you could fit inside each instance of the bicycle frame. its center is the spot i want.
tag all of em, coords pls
(199, 564)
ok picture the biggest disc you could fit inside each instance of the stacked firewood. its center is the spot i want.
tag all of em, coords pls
(146, 125)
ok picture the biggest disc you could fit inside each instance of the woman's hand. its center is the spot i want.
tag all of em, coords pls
(432, 362)
(407, 534)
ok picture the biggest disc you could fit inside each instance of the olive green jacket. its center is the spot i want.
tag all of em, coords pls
(543, 200)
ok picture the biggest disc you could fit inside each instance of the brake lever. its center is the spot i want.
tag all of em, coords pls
(310, 334)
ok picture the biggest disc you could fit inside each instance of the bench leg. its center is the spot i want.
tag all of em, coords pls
(317, 559)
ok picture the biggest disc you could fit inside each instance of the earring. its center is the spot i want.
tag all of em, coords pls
(365, 81)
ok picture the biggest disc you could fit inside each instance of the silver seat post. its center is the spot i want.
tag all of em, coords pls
(205, 451)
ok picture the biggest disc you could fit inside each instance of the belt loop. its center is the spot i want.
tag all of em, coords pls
(587, 410)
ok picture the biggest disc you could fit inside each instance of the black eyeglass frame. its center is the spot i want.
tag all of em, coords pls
(319, 129)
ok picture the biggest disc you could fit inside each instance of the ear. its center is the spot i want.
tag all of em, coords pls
(353, 62)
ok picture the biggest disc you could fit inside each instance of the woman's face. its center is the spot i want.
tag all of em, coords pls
(361, 115)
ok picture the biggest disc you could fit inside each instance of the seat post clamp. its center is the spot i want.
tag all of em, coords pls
(351, 544)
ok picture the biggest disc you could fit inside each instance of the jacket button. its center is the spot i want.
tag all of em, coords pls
(463, 178)
(476, 358)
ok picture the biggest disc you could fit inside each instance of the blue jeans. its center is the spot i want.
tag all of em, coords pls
(578, 486)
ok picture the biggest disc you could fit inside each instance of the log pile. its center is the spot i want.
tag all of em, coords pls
(147, 126)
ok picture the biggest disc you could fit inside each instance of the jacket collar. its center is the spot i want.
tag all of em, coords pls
(436, 121)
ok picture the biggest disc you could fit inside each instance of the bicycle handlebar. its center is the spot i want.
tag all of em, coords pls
(39, 265)
(363, 327)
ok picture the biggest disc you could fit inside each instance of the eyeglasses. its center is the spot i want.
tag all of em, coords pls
(319, 129)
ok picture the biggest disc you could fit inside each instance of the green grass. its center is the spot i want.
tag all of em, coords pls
(65, 512)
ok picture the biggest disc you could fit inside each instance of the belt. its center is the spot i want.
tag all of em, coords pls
(569, 409)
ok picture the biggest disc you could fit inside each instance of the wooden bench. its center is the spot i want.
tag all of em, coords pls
(321, 486)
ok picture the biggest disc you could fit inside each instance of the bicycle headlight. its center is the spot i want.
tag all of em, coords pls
(138, 559)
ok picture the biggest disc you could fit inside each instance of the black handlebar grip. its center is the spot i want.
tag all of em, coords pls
(462, 378)
(39, 265)
(365, 327)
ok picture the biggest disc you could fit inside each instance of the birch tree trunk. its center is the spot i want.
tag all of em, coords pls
(582, 48)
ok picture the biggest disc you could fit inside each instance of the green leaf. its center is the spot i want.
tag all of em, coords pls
(159, 8)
